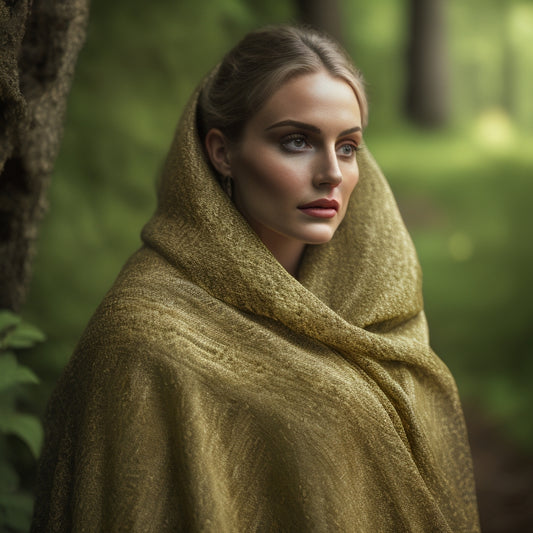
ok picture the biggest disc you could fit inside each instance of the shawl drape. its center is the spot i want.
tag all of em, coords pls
(212, 391)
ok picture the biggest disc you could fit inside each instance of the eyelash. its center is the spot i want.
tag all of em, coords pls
(293, 137)
(298, 136)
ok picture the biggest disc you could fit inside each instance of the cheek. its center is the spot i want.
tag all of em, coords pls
(351, 179)
(272, 175)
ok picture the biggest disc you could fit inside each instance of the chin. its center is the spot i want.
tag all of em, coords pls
(321, 237)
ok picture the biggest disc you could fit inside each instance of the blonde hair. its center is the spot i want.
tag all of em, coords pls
(260, 64)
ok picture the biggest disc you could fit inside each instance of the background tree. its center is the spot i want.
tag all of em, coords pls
(321, 14)
(39, 44)
(427, 69)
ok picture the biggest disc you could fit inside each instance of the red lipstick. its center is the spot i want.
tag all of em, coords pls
(322, 208)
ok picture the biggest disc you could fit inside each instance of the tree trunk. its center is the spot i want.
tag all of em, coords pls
(427, 65)
(323, 15)
(39, 45)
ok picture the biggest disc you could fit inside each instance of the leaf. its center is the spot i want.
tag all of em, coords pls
(8, 320)
(24, 335)
(15, 333)
(12, 373)
(26, 427)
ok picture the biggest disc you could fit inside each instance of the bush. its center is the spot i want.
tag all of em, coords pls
(16, 426)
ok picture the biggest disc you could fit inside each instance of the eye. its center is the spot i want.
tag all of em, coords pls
(295, 142)
(347, 150)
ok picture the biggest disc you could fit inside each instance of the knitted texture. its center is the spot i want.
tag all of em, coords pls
(214, 392)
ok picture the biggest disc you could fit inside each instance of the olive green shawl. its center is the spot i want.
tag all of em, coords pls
(214, 392)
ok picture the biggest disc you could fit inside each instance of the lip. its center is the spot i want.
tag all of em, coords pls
(322, 208)
(325, 203)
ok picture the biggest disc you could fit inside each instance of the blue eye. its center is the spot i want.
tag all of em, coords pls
(294, 143)
(347, 150)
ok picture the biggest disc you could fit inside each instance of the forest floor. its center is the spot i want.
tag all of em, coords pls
(504, 477)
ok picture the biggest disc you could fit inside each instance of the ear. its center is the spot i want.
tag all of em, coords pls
(217, 147)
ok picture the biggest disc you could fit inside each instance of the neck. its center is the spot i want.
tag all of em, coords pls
(288, 252)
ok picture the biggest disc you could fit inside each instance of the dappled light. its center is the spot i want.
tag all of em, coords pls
(495, 130)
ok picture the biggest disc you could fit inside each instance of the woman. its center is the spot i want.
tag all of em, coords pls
(262, 362)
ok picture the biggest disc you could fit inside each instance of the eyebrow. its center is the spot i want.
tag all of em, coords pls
(309, 127)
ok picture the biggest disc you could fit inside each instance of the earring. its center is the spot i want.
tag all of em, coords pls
(227, 185)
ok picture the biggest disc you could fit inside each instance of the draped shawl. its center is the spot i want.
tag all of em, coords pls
(212, 391)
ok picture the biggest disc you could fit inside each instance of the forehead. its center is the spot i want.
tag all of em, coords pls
(317, 98)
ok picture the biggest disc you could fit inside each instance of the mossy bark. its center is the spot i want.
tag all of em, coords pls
(39, 44)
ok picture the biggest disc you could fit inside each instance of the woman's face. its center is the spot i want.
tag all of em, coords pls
(295, 166)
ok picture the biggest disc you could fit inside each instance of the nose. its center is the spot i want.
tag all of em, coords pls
(327, 171)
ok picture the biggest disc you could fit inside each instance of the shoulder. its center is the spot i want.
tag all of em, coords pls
(152, 322)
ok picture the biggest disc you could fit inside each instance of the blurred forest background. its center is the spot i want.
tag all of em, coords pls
(451, 124)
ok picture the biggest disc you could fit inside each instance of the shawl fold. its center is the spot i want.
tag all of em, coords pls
(212, 391)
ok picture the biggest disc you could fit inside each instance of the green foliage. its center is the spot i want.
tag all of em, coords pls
(376, 36)
(492, 67)
(15, 503)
